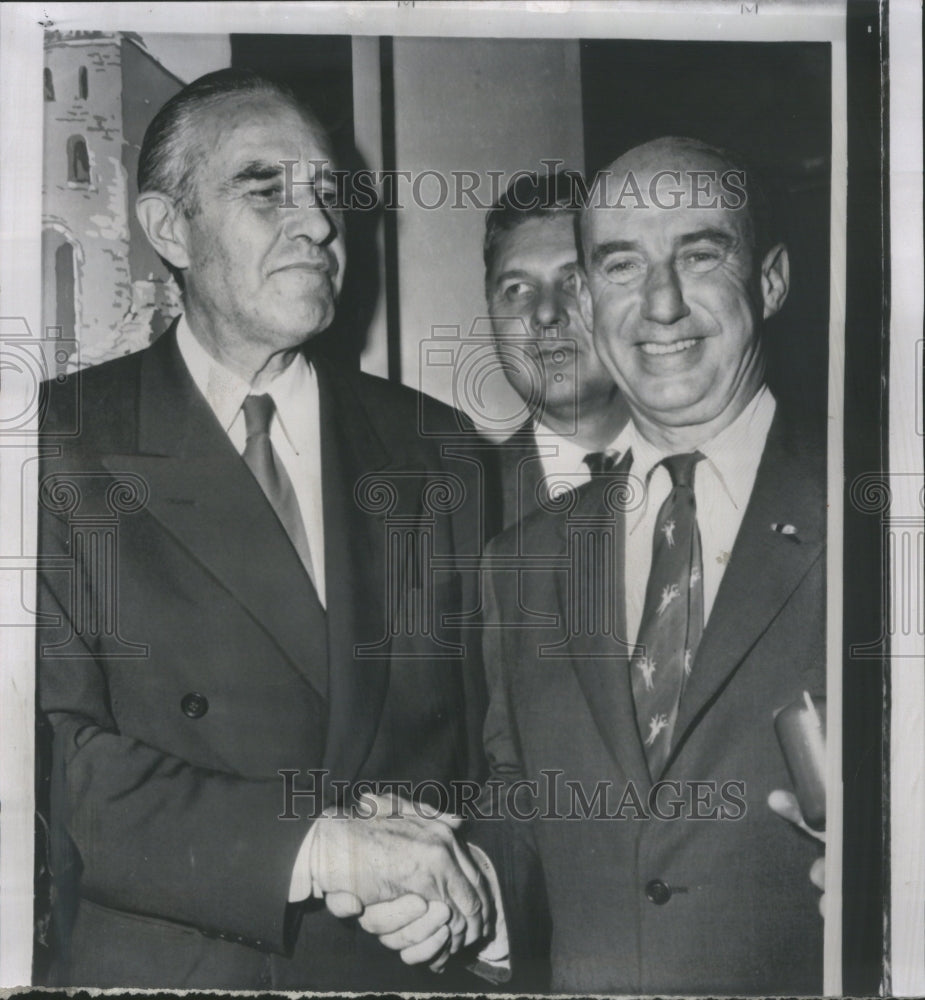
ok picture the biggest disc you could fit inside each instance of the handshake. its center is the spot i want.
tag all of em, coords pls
(402, 871)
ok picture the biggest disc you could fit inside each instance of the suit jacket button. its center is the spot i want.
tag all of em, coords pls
(658, 892)
(194, 705)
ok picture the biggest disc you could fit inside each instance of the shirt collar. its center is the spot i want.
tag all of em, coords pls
(568, 457)
(225, 391)
(733, 454)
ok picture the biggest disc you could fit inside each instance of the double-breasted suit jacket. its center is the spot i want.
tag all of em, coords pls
(185, 661)
(693, 885)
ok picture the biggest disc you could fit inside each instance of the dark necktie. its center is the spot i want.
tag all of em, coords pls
(672, 618)
(600, 461)
(271, 474)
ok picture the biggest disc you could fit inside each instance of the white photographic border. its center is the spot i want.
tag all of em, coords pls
(21, 117)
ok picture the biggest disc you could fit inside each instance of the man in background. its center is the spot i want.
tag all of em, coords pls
(544, 346)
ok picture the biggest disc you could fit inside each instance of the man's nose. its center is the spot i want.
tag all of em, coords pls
(550, 310)
(663, 298)
(311, 219)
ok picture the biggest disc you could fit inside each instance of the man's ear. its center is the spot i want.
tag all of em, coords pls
(165, 226)
(583, 294)
(775, 279)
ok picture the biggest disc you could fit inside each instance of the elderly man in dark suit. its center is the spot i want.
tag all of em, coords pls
(641, 638)
(544, 345)
(243, 649)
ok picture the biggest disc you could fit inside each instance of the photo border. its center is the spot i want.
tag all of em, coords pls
(860, 175)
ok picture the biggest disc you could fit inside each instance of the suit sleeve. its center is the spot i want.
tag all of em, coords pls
(148, 832)
(508, 841)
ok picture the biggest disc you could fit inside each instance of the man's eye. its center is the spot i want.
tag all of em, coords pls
(701, 261)
(517, 290)
(622, 269)
(271, 195)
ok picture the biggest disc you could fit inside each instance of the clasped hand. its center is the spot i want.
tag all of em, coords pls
(403, 872)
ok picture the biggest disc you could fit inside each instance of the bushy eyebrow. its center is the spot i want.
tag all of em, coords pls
(255, 170)
(511, 273)
(709, 235)
(602, 250)
(520, 274)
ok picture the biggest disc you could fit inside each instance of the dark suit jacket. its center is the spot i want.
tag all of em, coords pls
(520, 471)
(179, 685)
(643, 904)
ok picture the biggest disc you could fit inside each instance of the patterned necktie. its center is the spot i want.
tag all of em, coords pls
(600, 461)
(270, 473)
(672, 619)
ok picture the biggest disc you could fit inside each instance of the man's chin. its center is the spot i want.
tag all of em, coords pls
(560, 400)
(311, 323)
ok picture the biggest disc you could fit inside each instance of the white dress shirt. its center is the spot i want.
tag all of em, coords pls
(295, 431)
(563, 459)
(723, 483)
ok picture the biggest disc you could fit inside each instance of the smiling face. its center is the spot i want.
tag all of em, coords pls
(260, 277)
(677, 298)
(531, 292)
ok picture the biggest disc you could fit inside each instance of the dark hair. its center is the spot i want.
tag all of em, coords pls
(530, 196)
(171, 149)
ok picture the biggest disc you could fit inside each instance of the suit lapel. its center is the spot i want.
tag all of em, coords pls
(765, 568)
(601, 663)
(203, 494)
(355, 575)
(521, 470)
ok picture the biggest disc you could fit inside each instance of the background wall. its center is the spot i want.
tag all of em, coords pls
(104, 289)
(480, 105)
(413, 305)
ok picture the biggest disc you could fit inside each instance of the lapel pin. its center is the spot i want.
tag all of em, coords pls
(786, 529)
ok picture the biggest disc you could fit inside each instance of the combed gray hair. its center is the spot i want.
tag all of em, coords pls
(172, 147)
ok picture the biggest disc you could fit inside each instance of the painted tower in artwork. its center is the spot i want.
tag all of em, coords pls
(103, 286)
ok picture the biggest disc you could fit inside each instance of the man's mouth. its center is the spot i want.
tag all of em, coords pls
(548, 347)
(651, 347)
(323, 265)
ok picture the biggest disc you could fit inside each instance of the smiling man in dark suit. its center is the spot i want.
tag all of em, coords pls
(640, 639)
(717, 580)
(252, 627)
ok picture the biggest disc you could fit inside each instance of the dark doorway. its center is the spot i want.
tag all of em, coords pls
(769, 103)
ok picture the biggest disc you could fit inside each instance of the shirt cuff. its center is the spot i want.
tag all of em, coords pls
(493, 962)
(304, 882)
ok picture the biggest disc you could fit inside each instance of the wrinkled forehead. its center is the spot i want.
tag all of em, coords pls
(246, 124)
(667, 192)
